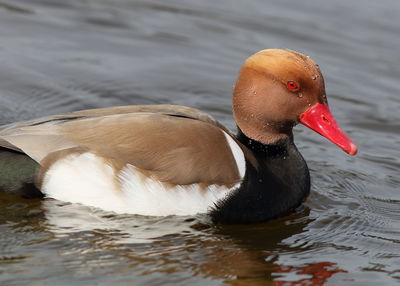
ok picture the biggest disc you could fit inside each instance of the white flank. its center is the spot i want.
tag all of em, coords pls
(150, 197)
(87, 179)
(83, 178)
(237, 154)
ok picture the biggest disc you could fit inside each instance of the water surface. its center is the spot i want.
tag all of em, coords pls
(58, 56)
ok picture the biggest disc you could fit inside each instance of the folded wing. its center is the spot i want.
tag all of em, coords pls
(174, 144)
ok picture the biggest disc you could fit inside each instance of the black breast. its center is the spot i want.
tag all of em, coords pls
(279, 184)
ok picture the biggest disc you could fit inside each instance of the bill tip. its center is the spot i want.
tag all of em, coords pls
(353, 149)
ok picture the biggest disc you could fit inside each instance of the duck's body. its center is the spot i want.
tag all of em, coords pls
(174, 160)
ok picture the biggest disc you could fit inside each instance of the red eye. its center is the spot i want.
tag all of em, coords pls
(292, 85)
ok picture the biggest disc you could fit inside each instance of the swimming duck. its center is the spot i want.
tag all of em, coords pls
(174, 160)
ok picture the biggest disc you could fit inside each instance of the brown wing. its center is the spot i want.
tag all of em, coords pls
(166, 109)
(178, 145)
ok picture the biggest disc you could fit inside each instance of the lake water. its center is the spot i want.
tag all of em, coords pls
(58, 56)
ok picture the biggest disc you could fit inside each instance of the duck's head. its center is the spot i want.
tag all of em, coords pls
(275, 90)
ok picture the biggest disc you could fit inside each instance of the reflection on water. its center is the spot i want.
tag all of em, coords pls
(57, 56)
(88, 240)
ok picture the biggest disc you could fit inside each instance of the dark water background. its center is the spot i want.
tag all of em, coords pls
(58, 56)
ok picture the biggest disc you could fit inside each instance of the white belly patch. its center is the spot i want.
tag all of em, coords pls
(87, 179)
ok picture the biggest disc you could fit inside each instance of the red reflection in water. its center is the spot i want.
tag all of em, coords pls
(319, 273)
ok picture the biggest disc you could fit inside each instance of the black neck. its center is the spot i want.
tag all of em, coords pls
(278, 148)
(279, 184)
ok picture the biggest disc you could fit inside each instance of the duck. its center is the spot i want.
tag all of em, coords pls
(161, 160)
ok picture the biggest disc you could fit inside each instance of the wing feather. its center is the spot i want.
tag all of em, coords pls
(175, 144)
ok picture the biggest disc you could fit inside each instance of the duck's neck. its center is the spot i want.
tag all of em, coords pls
(278, 185)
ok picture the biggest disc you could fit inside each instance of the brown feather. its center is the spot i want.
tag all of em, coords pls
(174, 144)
